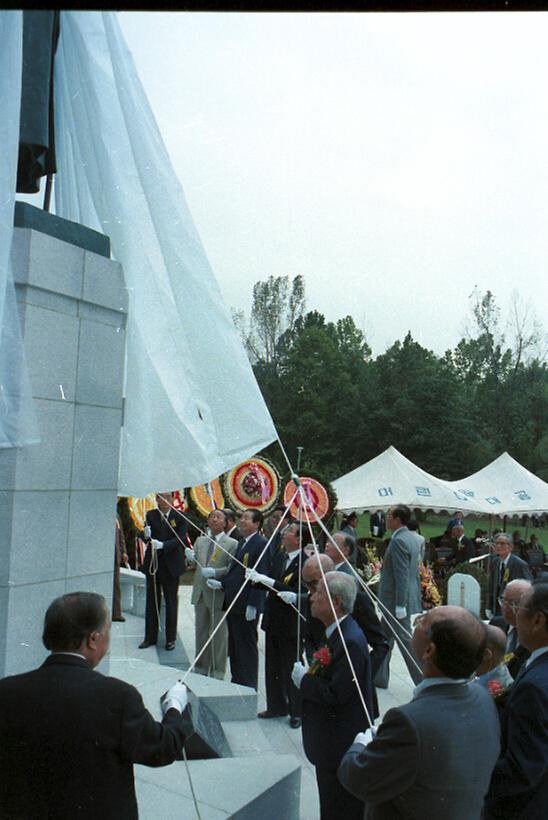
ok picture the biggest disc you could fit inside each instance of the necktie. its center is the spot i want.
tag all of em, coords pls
(512, 641)
(209, 553)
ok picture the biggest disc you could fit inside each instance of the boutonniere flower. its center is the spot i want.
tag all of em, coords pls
(214, 556)
(497, 690)
(245, 559)
(173, 522)
(321, 661)
(508, 657)
(506, 575)
(288, 578)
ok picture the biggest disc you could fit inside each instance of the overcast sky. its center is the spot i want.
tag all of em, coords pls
(394, 160)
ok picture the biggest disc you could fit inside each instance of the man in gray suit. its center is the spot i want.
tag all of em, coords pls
(432, 757)
(400, 592)
(213, 555)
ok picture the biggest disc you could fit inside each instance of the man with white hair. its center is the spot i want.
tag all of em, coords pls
(332, 709)
(516, 654)
(505, 567)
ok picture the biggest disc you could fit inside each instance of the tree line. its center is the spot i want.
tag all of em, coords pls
(449, 414)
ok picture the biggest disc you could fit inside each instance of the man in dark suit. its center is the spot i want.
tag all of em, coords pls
(363, 613)
(231, 528)
(465, 547)
(165, 535)
(281, 626)
(516, 654)
(70, 736)
(432, 757)
(519, 783)
(333, 710)
(377, 524)
(504, 567)
(243, 617)
(341, 549)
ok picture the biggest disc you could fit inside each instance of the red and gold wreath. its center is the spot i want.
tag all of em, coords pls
(138, 508)
(316, 498)
(201, 497)
(180, 500)
(252, 485)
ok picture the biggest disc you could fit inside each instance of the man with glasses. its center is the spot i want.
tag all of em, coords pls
(516, 654)
(505, 567)
(519, 783)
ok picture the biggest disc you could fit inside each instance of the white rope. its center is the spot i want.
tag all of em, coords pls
(209, 640)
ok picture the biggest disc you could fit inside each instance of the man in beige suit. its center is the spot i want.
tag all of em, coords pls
(212, 556)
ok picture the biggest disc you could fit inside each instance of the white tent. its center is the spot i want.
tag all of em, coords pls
(505, 488)
(390, 479)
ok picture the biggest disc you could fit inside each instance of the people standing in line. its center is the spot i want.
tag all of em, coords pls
(431, 757)
(70, 735)
(165, 534)
(332, 707)
(400, 592)
(519, 782)
(504, 567)
(212, 553)
(246, 602)
(282, 628)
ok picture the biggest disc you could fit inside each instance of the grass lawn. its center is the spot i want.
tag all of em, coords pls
(436, 523)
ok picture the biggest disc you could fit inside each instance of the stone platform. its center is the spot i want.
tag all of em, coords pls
(269, 750)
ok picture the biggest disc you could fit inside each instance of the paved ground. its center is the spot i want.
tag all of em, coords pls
(260, 735)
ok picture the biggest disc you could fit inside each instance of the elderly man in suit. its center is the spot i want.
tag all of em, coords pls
(246, 601)
(400, 592)
(519, 783)
(504, 567)
(282, 628)
(340, 548)
(432, 757)
(70, 736)
(165, 535)
(516, 653)
(333, 710)
(213, 555)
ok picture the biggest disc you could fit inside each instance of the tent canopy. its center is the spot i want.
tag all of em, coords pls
(503, 487)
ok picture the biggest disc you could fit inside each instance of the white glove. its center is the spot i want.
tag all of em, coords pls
(288, 597)
(208, 572)
(401, 612)
(147, 532)
(366, 737)
(176, 698)
(157, 545)
(488, 614)
(256, 578)
(299, 671)
(250, 613)
(189, 554)
(213, 584)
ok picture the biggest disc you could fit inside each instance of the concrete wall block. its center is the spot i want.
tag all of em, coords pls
(46, 466)
(91, 532)
(96, 448)
(104, 282)
(26, 606)
(51, 346)
(29, 295)
(20, 250)
(101, 583)
(106, 316)
(39, 536)
(100, 365)
(55, 265)
(6, 517)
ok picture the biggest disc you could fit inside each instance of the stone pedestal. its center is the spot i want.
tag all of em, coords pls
(58, 498)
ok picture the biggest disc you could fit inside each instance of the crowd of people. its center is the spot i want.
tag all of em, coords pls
(471, 743)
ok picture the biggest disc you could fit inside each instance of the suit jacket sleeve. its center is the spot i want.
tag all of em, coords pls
(400, 562)
(257, 595)
(522, 766)
(338, 689)
(387, 766)
(144, 740)
(365, 616)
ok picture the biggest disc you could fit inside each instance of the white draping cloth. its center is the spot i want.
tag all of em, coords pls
(193, 408)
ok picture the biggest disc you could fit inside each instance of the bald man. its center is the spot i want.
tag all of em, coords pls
(432, 757)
